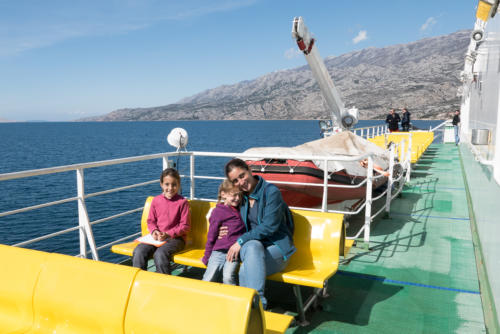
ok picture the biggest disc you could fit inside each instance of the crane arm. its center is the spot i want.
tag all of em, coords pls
(341, 118)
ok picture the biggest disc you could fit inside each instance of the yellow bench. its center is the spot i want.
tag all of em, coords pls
(196, 307)
(420, 142)
(319, 238)
(20, 271)
(54, 293)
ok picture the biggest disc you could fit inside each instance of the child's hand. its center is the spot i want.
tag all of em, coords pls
(222, 232)
(163, 236)
(156, 234)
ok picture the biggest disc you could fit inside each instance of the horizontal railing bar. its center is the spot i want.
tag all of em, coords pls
(357, 234)
(47, 236)
(116, 241)
(279, 156)
(299, 183)
(377, 213)
(205, 199)
(121, 188)
(39, 206)
(98, 221)
(439, 126)
(208, 177)
(67, 168)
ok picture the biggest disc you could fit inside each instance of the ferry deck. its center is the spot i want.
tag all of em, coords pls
(419, 275)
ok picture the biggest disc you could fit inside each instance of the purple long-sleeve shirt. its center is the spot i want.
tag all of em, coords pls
(170, 216)
(223, 215)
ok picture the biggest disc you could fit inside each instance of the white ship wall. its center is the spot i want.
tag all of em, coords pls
(480, 110)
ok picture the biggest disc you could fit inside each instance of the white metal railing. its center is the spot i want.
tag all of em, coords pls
(439, 126)
(85, 225)
(371, 131)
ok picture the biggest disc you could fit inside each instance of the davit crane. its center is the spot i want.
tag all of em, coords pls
(342, 118)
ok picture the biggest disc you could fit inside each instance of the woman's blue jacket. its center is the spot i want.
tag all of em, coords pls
(275, 222)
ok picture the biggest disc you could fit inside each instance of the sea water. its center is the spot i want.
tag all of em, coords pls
(26, 146)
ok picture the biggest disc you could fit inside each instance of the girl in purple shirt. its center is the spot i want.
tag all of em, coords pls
(226, 214)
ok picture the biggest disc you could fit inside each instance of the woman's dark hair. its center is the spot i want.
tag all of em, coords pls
(170, 172)
(235, 163)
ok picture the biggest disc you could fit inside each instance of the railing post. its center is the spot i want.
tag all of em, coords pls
(324, 204)
(402, 151)
(408, 173)
(390, 180)
(168, 163)
(368, 207)
(83, 219)
(191, 176)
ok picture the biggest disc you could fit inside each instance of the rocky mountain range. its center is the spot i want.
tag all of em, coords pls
(422, 75)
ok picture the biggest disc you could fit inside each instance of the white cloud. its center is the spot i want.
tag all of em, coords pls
(362, 35)
(429, 23)
(292, 53)
(39, 25)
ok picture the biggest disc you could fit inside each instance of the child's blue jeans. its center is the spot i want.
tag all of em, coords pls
(218, 265)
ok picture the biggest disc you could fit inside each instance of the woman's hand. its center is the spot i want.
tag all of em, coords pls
(233, 252)
(222, 232)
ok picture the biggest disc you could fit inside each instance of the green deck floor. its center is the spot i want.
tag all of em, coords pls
(420, 273)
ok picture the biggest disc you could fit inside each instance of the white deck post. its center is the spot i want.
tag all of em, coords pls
(390, 180)
(368, 207)
(324, 204)
(191, 176)
(408, 173)
(83, 219)
(167, 163)
(402, 151)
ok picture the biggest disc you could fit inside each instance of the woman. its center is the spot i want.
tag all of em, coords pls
(267, 245)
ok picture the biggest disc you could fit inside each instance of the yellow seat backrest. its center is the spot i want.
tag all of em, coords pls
(317, 237)
(200, 212)
(20, 270)
(81, 296)
(169, 304)
(145, 214)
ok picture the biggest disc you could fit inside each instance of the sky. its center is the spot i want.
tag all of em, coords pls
(64, 60)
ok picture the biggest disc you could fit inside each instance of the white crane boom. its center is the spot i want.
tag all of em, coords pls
(341, 118)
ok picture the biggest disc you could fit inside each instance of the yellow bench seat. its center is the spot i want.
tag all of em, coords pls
(319, 238)
(54, 293)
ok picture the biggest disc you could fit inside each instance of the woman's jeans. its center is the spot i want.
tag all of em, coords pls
(218, 265)
(257, 263)
(161, 255)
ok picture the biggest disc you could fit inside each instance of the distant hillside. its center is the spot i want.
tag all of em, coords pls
(422, 75)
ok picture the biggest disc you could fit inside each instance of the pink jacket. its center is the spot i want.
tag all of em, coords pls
(171, 216)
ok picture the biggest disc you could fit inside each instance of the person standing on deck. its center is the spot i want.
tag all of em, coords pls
(456, 124)
(405, 122)
(392, 120)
